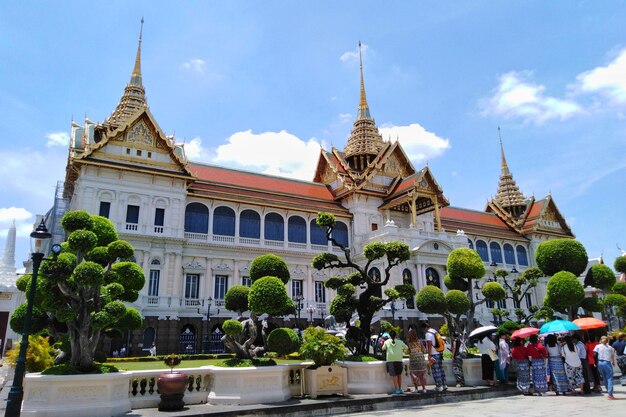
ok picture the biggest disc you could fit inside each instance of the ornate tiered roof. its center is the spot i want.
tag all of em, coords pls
(134, 97)
(509, 196)
(365, 139)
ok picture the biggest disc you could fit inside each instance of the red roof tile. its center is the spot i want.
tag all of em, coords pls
(232, 177)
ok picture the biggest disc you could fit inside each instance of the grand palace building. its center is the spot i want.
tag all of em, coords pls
(196, 227)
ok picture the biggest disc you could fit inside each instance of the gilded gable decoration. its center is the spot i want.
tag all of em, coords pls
(140, 134)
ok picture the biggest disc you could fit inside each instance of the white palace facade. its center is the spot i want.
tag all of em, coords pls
(196, 227)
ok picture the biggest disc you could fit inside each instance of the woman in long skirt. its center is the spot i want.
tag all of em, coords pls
(537, 354)
(418, 363)
(557, 369)
(520, 356)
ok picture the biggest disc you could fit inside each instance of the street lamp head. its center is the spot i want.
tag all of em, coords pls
(38, 237)
(514, 270)
(493, 264)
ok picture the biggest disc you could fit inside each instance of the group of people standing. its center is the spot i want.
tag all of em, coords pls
(566, 363)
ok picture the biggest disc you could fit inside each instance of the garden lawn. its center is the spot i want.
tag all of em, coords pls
(157, 365)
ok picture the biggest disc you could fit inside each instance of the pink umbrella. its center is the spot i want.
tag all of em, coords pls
(524, 332)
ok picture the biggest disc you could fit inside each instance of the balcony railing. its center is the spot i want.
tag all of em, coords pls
(234, 240)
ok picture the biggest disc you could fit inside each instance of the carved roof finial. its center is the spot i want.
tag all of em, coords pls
(364, 110)
(508, 196)
(135, 78)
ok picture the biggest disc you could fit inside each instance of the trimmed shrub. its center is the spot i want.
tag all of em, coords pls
(76, 220)
(564, 291)
(508, 327)
(494, 291)
(82, 240)
(104, 229)
(120, 249)
(619, 288)
(600, 276)
(561, 255)
(39, 354)
(620, 264)
(268, 295)
(269, 265)
(342, 308)
(457, 302)
(232, 327)
(594, 304)
(236, 298)
(283, 341)
(617, 300)
(430, 300)
(321, 347)
(465, 263)
(455, 283)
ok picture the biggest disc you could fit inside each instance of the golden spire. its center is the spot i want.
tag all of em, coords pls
(364, 110)
(365, 141)
(135, 78)
(505, 167)
(134, 97)
(509, 196)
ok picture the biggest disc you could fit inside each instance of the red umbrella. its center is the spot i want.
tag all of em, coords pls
(587, 323)
(524, 332)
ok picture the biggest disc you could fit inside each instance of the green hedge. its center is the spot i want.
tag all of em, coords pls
(161, 358)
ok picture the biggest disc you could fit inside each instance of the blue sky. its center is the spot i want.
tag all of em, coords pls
(261, 85)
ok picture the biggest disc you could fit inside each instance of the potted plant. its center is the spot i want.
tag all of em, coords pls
(172, 386)
(324, 349)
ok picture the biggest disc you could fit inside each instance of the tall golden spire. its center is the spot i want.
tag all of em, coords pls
(364, 110)
(509, 197)
(134, 97)
(135, 78)
(365, 141)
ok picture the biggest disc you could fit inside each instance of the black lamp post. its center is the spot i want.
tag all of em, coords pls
(393, 312)
(209, 302)
(298, 299)
(16, 394)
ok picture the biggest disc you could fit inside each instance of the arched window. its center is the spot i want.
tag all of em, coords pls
(470, 243)
(432, 277)
(224, 221)
(407, 279)
(522, 259)
(196, 218)
(496, 252)
(296, 229)
(481, 248)
(274, 227)
(148, 337)
(509, 254)
(374, 274)
(250, 224)
(340, 233)
(318, 235)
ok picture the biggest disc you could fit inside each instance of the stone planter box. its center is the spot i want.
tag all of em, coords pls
(239, 386)
(326, 380)
(102, 395)
(372, 377)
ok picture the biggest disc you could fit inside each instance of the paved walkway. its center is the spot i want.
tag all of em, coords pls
(550, 404)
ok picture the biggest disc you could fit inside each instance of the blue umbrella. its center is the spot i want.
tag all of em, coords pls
(558, 326)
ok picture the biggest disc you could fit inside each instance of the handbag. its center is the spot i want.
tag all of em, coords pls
(492, 354)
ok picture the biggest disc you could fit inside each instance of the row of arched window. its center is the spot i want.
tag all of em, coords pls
(496, 251)
(197, 221)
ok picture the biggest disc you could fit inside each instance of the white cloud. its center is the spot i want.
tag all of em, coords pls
(353, 56)
(196, 65)
(57, 139)
(275, 153)
(418, 143)
(194, 149)
(7, 215)
(609, 80)
(516, 96)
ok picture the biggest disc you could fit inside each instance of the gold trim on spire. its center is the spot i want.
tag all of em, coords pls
(134, 97)
(364, 110)
(135, 78)
(365, 141)
(509, 197)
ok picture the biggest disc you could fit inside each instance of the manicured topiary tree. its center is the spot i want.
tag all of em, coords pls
(517, 289)
(236, 299)
(601, 277)
(561, 255)
(564, 293)
(368, 301)
(464, 266)
(82, 292)
(283, 341)
(267, 295)
(620, 264)
(451, 305)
